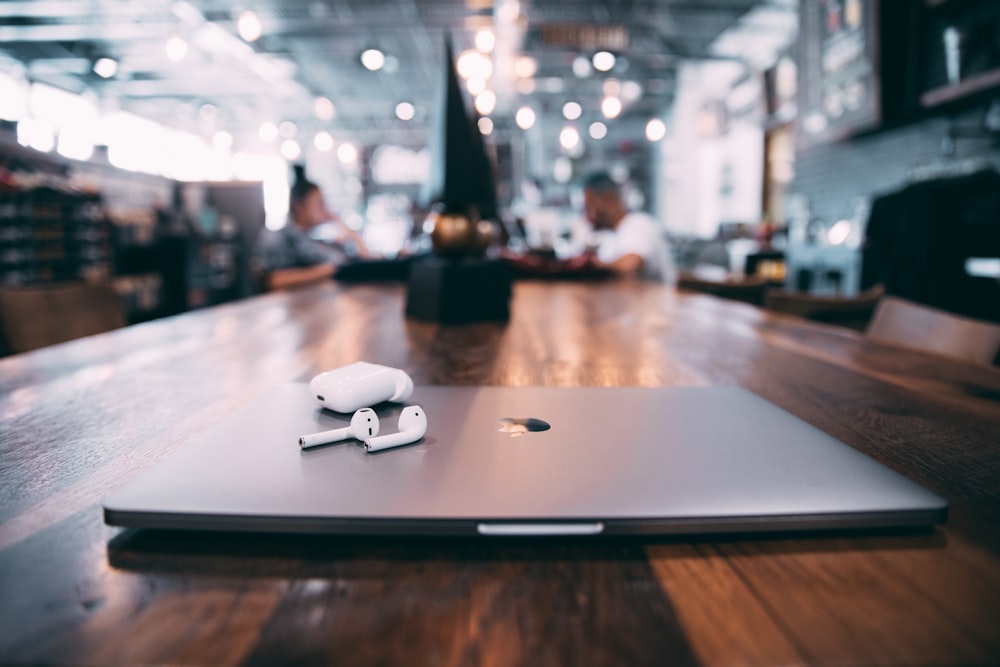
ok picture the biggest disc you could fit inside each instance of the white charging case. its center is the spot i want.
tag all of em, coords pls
(360, 385)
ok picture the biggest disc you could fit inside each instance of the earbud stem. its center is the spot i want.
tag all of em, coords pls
(324, 437)
(392, 440)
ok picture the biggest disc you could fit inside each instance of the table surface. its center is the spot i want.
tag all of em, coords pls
(80, 419)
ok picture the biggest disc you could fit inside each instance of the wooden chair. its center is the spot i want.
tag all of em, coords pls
(908, 324)
(853, 312)
(36, 316)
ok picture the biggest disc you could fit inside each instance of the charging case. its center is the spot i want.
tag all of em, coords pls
(360, 385)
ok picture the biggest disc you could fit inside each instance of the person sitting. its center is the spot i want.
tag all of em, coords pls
(622, 243)
(288, 257)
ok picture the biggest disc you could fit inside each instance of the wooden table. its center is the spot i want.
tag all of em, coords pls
(80, 419)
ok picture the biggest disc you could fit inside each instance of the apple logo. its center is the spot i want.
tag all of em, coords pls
(518, 427)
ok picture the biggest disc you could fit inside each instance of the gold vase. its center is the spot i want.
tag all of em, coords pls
(458, 234)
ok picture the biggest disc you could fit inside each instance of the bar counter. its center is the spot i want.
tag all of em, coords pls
(80, 419)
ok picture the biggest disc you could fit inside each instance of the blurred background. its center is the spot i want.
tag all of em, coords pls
(145, 143)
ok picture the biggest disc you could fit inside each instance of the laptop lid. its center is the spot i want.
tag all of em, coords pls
(674, 460)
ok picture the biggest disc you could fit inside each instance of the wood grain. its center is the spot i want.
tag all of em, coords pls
(78, 420)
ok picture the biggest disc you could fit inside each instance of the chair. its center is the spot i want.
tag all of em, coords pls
(908, 324)
(36, 316)
(852, 312)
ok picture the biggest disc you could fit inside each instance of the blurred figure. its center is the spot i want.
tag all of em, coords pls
(289, 257)
(629, 243)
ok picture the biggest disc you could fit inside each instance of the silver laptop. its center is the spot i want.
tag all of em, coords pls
(527, 461)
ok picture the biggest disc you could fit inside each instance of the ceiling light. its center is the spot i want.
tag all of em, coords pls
(105, 67)
(526, 86)
(268, 131)
(475, 85)
(249, 26)
(611, 107)
(324, 109)
(347, 153)
(572, 110)
(525, 118)
(37, 134)
(323, 142)
(525, 67)
(222, 140)
(485, 126)
(598, 130)
(611, 88)
(508, 10)
(581, 67)
(176, 49)
(485, 40)
(373, 59)
(473, 63)
(405, 111)
(569, 138)
(655, 129)
(290, 149)
(287, 129)
(604, 61)
(631, 91)
(486, 101)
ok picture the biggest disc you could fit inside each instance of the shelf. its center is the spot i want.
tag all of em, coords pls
(973, 84)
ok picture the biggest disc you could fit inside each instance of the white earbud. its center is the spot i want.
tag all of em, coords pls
(364, 425)
(412, 427)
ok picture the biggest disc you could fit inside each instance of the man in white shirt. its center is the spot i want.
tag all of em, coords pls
(630, 243)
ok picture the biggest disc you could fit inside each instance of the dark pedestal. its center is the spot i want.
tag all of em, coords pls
(456, 291)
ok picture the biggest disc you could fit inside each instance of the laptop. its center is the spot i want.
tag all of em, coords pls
(514, 461)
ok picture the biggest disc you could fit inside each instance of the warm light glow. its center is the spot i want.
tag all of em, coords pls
(631, 91)
(655, 129)
(485, 40)
(208, 112)
(176, 49)
(485, 126)
(525, 118)
(611, 107)
(581, 67)
(249, 26)
(486, 101)
(222, 140)
(475, 85)
(525, 67)
(268, 131)
(323, 142)
(347, 153)
(598, 130)
(569, 138)
(611, 87)
(373, 59)
(473, 63)
(290, 149)
(526, 86)
(323, 108)
(287, 129)
(107, 67)
(572, 110)
(604, 61)
(405, 111)
(508, 11)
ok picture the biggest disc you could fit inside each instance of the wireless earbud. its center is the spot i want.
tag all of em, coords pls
(412, 427)
(364, 425)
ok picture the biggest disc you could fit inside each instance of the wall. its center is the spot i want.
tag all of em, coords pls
(834, 175)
